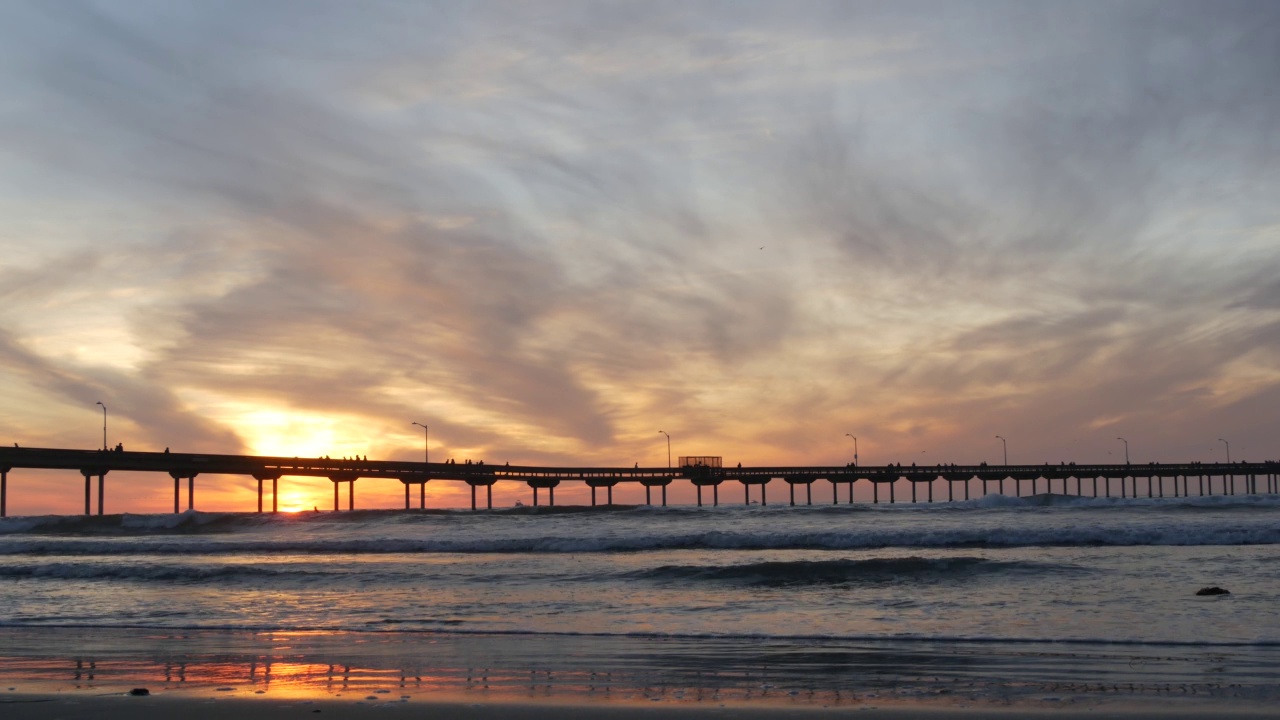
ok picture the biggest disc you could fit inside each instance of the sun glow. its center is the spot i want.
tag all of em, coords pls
(288, 433)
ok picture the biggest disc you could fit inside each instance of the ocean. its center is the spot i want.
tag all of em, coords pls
(1046, 599)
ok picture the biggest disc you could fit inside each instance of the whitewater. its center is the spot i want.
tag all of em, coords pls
(1046, 568)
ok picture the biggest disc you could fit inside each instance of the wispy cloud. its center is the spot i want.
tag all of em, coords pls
(553, 228)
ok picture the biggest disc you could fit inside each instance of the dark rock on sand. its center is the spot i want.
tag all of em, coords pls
(1215, 590)
(139, 691)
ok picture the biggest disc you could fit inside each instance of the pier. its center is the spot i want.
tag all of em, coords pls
(1153, 480)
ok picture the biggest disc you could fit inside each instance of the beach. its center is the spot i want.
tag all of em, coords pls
(1023, 607)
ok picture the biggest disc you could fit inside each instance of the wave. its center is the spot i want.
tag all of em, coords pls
(1170, 534)
(847, 571)
(183, 573)
(993, 521)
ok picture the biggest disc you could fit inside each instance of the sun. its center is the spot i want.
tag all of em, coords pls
(275, 432)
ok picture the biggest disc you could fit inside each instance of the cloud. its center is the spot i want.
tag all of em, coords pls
(554, 228)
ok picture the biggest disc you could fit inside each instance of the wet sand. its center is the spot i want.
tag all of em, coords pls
(193, 706)
(85, 673)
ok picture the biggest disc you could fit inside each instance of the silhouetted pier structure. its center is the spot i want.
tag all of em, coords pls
(1132, 479)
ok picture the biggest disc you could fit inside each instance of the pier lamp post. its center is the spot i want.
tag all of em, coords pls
(1126, 449)
(855, 449)
(1224, 442)
(426, 442)
(664, 432)
(1005, 444)
(104, 424)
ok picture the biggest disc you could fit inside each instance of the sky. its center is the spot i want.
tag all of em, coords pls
(549, 230)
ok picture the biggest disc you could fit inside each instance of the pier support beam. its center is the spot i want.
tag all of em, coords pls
(409, 482)
(88, 494)
(349, 478)
(488, 490)
(607, 484)
(177, 489)
(650, 483)
(549, 484)
(4, 492)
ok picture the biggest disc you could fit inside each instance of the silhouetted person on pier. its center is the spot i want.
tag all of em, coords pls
(166, 451)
